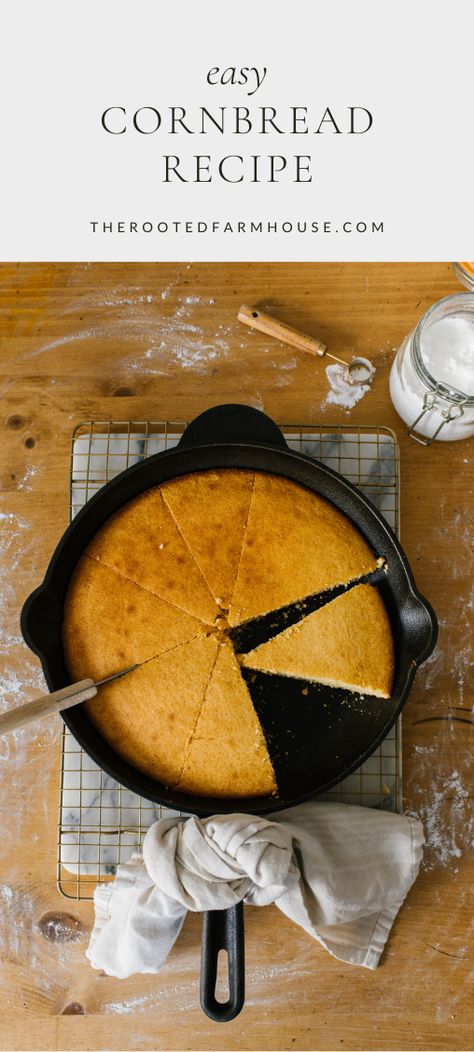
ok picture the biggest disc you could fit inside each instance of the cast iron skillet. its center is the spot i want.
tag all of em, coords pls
(320, 744)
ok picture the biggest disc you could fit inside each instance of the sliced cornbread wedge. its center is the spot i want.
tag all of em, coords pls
(347, 643)
(149, 716)
(110, 622)
(296, 543)
(211, 509)
(228, 755)
(142, 542)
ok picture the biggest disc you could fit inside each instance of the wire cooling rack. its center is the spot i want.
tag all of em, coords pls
(101, 822)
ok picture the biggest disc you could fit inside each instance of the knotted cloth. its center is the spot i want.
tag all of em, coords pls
(341, 872)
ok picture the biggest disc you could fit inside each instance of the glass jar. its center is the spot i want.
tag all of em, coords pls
(432, 377)
(465, 274)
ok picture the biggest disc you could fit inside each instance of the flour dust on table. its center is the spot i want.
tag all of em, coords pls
(342, 392)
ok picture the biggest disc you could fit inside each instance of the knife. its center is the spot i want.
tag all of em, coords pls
(49, 704)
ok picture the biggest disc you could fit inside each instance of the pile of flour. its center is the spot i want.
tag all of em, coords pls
(342, 392)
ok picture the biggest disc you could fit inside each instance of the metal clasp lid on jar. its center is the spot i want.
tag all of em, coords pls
(430, 401)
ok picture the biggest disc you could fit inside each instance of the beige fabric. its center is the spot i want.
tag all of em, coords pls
(340, 872)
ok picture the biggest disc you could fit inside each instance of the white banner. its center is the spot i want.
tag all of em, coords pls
(261, 130)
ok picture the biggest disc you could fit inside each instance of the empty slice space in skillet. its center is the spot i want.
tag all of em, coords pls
(251, 634)
(315, 734)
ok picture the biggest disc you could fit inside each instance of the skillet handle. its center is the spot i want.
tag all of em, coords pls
(223, 930)
(232, 423)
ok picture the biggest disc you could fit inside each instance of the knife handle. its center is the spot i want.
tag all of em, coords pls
(47, 705)
(257, 319)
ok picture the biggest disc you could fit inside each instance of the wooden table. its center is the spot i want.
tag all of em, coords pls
(120, 341)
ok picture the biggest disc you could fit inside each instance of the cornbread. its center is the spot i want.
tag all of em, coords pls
(156, 585)
(111, 623)
(149, 716)
(347, 643)
(142, 542)
(211, 509)
(295, 543)
(228, 755)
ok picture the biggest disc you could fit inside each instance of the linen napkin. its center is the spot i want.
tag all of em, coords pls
(339, 871)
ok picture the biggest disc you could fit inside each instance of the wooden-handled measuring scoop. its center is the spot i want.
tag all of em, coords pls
(357, 371)
(49, 704)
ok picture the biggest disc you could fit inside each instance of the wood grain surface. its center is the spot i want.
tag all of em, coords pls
(135, 341)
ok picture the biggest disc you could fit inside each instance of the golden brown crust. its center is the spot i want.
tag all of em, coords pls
(228, 755)
(347, 643)
(296, 543)
(149, 717)
(111, 623)
(211, 509)
(142, 542)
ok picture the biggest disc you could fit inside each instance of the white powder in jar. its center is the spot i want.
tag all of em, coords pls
(447, 353)
(447, 349)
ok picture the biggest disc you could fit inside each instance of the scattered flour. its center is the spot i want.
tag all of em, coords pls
(257, 401)
(13, 544)
(29, 474)
(21, 766)
(134, 1004)
(342, 392)
(128, 301)
(164, 342)
(199, 299)
(448, 820)
(183, 993)
(21, 676)
(72, 337)
(189, 302)
(190, 357)
(118, 296)
(285, 371)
